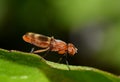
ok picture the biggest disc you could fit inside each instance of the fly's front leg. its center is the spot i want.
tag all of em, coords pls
(42, 50)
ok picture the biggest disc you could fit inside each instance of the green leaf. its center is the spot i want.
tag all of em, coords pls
(18, 66)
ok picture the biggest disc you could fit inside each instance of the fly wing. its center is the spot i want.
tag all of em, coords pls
(37, 39)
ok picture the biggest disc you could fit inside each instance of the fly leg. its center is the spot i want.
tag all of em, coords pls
(65, 57)
(42, 50)
(60, 59)
(67, 62)
(32, 50)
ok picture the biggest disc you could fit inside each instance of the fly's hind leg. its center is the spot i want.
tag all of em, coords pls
(32, 50)
(42, 50)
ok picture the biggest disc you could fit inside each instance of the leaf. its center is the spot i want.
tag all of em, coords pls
(16, 66)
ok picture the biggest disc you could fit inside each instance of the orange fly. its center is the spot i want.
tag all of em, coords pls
(50, 44)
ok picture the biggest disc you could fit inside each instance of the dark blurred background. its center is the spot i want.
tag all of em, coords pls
(92, 25)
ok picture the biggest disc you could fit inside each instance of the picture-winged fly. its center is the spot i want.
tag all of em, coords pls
(50, 43)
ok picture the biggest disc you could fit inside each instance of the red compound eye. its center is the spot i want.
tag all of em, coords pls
(72, 49)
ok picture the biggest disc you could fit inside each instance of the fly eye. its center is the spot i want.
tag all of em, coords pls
(72, 49)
